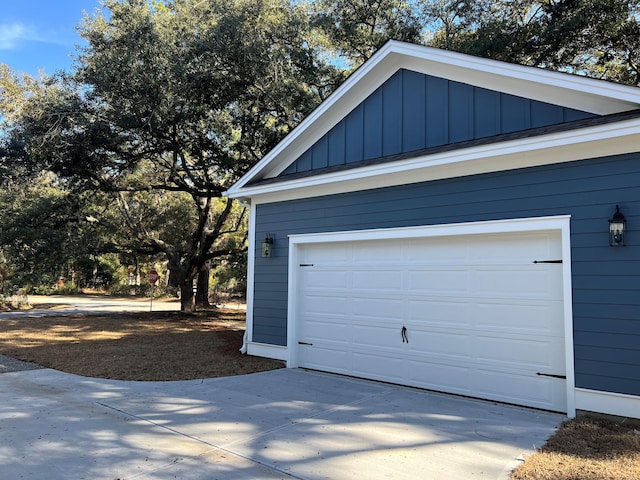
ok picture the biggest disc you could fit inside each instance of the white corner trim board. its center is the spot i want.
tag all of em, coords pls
(559, 224)
(248, 334)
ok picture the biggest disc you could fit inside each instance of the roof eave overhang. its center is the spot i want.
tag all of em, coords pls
(593, 142)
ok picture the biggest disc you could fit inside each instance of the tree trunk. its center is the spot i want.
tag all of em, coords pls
(202, 294)
(186, 296)
(173, 282)
(173, 279)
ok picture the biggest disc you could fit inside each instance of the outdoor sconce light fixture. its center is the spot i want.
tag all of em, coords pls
(617, 228)
(267, 246)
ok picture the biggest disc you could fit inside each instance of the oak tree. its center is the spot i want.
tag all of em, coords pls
(177, 99)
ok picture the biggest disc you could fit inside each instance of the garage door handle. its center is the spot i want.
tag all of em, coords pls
(403, 332)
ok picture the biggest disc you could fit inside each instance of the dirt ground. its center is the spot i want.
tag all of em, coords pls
(172, 346)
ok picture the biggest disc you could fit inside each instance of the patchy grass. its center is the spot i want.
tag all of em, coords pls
(137, 346)
(586, 448)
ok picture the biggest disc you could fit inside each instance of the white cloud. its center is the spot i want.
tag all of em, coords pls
(11, 35)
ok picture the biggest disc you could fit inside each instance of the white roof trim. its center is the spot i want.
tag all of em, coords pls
(571, 91)
(592, 142)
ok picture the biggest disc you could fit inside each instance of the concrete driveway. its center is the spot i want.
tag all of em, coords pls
(286, 423)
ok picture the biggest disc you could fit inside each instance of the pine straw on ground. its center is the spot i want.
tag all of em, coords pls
(586, 448)
(139, 346)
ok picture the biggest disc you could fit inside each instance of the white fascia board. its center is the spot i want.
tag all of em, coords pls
(572, 91)
(593, 142)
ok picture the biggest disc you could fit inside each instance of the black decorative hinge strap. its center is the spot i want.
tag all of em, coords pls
(552, 375)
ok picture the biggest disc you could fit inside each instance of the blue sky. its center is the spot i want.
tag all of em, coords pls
(40, 34)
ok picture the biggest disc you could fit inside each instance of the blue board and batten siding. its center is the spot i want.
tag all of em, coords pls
(605, 280)
(412, 111)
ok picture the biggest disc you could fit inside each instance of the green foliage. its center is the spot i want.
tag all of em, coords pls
(591, 37)
(199, 90)
(145, 289)
(355, 29)
(37, 238)
(69, 288)
(230, 275)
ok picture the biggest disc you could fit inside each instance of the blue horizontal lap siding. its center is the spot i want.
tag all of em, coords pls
(412, 111)
(606, 281)
(270, 299)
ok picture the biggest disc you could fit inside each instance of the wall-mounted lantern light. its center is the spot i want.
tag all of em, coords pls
(267, 246)
(617, 228)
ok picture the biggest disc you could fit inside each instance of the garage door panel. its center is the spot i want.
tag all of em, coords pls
(376, 253)
(443, 377)
(325, 278)
(438, 312)
(514, 281)
(329, 331)
(533, 391)
(381, 335)
(530, 318)
(325, 352)
(454, 346)
(376, 307)
(437, 281)
(328, 253)
(372, 280)
(442, 250)
(509, 247)
(481, 317)
(326, 305)
(389, 338)
(512, 353)
(382, 366)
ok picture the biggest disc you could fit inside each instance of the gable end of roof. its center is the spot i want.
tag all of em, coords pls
(571, 91)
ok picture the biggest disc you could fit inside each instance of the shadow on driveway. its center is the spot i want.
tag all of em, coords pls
(286, 423)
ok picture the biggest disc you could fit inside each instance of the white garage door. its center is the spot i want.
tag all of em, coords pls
(471, 314)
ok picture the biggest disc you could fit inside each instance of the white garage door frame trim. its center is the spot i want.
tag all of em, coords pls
(559, 223)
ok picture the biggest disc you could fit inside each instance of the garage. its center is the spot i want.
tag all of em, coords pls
(394, 233)
(479, 315)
